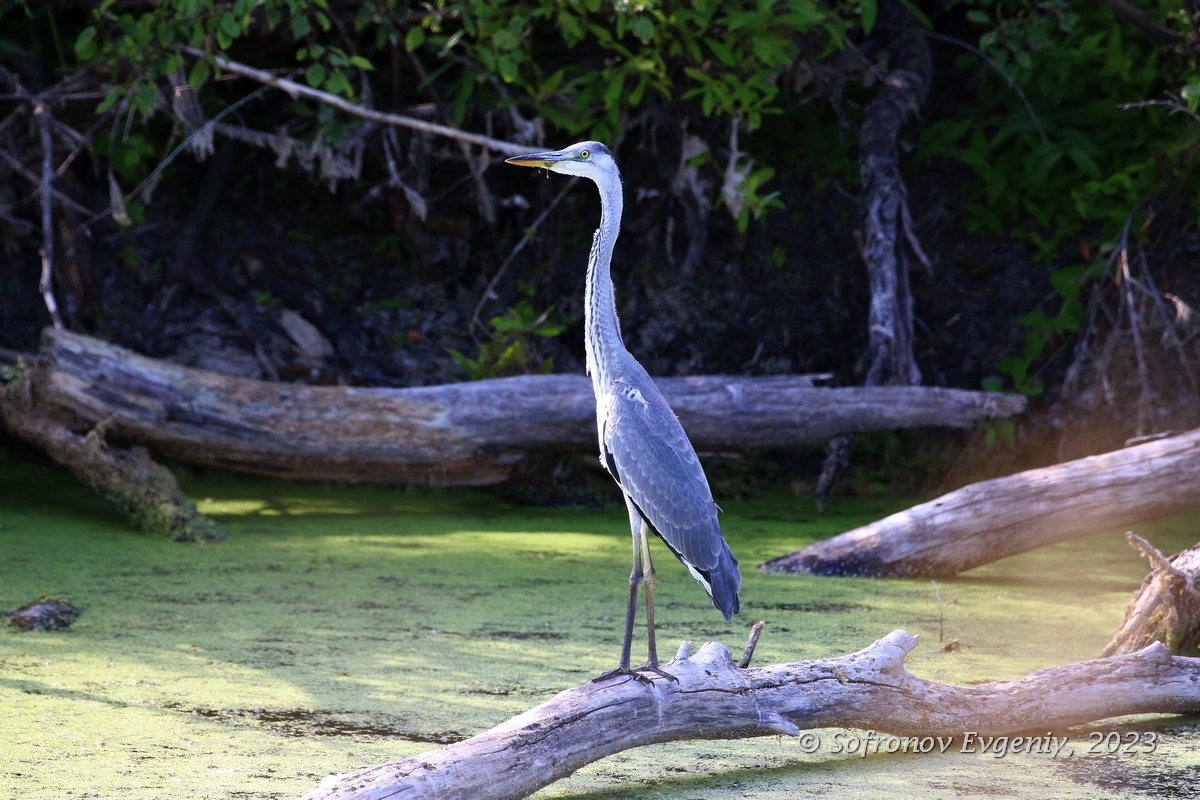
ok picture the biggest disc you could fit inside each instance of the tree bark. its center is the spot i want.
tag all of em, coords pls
(987, 521)
(714, 699)
(458, 434)
(1166, 608)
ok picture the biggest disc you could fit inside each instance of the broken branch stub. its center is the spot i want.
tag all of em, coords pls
(714, 699)
(1167, 607)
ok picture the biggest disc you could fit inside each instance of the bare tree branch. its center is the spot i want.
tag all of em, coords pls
(1141, 20)
(24, 172)
(41, 113)
(294, 89)
(488, 293)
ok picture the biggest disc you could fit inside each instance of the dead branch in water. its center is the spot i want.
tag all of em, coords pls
(990, 520)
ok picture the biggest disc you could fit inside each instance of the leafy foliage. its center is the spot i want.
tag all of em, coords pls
(1097, 160)
(510, 350)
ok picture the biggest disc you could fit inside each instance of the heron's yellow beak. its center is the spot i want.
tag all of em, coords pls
(542, 160)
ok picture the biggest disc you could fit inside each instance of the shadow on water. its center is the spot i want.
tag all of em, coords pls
(313, 722)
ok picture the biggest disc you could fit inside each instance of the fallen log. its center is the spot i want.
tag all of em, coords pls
(714, 699)
(990, 520)
(1167, 607)
(457, 434)
(145, 492)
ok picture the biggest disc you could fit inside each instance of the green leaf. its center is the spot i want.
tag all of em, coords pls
(85, 44)
(315, 75)
(1189, 93)
(338, 83)
(643, 29)
(505, 40)
(918, 13)
(869, 11)
(230, 26)
(509, 68)
(721, 50)
(109, 101)
(145, 99)
(300, 26)
(198, 75)
(362, 63)
(978, 17)
(414, 38)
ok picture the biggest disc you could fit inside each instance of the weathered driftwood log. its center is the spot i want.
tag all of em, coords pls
(468, 433)
(1166, 608)
(145, 492)
(993, 519)
(714, 699)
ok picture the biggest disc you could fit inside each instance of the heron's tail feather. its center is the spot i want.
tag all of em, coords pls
(725, 581)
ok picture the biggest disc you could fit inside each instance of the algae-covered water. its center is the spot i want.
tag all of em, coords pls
(341, 627)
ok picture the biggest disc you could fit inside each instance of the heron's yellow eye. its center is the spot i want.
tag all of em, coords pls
(583, 153)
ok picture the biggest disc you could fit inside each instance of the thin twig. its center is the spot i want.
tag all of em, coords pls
(991, 62)
(937, 590)
(202, 130)
(488, 293)
(23, 223)
(1168, 326)
(24, 172)
(295, 90)
(1173, 104)
(41, 112)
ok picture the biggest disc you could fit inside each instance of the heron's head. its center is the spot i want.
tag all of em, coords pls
(586, 159)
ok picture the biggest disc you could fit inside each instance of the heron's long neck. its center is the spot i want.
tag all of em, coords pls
(602, 331)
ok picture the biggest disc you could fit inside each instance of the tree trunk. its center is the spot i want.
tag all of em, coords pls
(714, 699)
(888, 232)
(987, 521)
(458, 434)
(1166, 608)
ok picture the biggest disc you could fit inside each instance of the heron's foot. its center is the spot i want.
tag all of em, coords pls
(637, 673)
(657, 670)
(632, 673)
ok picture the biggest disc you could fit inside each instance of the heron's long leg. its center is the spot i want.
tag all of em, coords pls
(648, 583)
(635, 579)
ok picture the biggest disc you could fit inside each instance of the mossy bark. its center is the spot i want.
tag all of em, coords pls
(1167, 607)
(145, 491)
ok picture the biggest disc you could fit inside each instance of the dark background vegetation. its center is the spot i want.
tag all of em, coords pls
(1060, 225)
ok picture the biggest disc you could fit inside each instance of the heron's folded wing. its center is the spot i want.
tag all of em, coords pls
(656, 466)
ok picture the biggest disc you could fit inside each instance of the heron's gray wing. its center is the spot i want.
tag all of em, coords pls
(651, 458)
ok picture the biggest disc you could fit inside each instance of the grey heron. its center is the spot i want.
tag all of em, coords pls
(642, 444)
